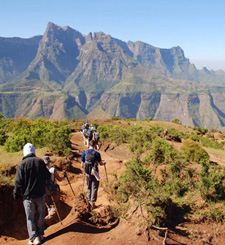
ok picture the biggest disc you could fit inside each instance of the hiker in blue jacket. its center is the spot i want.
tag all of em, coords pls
(92, 175)
(30, 184)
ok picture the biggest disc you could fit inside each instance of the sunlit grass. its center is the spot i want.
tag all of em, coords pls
(12, 159)
(217, 152)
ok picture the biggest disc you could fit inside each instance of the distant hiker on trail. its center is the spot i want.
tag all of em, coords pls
(86, 131)
(30, 184)
(89, 161)
(165, 133)
(53, 196)
(95, 137)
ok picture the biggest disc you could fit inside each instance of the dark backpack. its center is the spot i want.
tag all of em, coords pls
(89, 162)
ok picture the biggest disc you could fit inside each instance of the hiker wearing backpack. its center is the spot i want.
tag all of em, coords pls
(30, 184)
(95, 137)
(86, 133)
(89, 161)
(87, 136)
(52, 192)
(165, 133)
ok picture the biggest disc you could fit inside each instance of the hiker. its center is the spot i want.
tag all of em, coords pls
(54, 176)
(89, 161)
(30, 184)
(53, 198)
(85, 132)
(165, 133)
(85, 126)
(87, 136)
(95, 137)
(52, 170)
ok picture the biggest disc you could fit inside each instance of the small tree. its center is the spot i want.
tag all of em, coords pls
(177, 121)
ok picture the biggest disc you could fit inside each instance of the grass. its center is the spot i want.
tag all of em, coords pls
(13, 159)
(218, 154)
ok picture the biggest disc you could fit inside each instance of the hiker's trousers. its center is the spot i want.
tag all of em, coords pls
(35, 214)
(92, 188)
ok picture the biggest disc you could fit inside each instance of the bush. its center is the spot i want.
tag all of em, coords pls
(3, 137)
(192, 151)
(58, 139)
(177, 121)
(201, 131)
(162, 152)
(211, 143)
(40, 133)
(212, 184)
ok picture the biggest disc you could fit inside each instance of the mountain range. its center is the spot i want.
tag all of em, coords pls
(66, 74)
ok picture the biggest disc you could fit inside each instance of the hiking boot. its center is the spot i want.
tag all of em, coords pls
(37, 241)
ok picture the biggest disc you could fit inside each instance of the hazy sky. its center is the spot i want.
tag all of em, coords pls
(197, 26)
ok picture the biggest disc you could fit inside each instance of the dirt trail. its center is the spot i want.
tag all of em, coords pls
(73, 230)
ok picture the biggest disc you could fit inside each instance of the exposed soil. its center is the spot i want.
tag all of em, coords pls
(79, 226)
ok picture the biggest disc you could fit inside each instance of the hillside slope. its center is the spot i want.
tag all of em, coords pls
(79, 230)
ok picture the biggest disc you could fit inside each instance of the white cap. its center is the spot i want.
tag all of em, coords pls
(28, 149)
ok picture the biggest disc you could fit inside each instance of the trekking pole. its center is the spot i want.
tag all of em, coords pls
(56, 209)
(65, 174)
(106, 174)
(83, 183)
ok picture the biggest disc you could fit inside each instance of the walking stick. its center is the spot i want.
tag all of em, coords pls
(56, 209)
(65, 174)
(106, 174)
(83, 183)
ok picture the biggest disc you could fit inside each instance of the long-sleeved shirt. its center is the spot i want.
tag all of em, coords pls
(31, 178)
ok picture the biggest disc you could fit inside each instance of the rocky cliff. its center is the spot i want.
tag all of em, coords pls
(67, 74)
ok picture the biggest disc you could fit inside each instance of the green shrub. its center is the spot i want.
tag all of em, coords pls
(200, 130)
(3, 137)
(211, 143)
(192, 151)
(115, 118)
(40, 132)
(58, 139)
(212, 185)
(177, 121)
(162, 152)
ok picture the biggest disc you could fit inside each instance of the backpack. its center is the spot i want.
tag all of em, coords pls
(88, 134)
(89, 162)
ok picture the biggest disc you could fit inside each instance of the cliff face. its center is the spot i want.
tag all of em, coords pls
(16, 55)
(67, 74)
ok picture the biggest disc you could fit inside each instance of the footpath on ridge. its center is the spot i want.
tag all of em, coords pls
(73, 230)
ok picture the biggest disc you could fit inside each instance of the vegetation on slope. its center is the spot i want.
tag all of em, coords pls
(168, 185)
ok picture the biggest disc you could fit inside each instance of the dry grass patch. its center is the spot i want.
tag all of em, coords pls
(12, 159)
